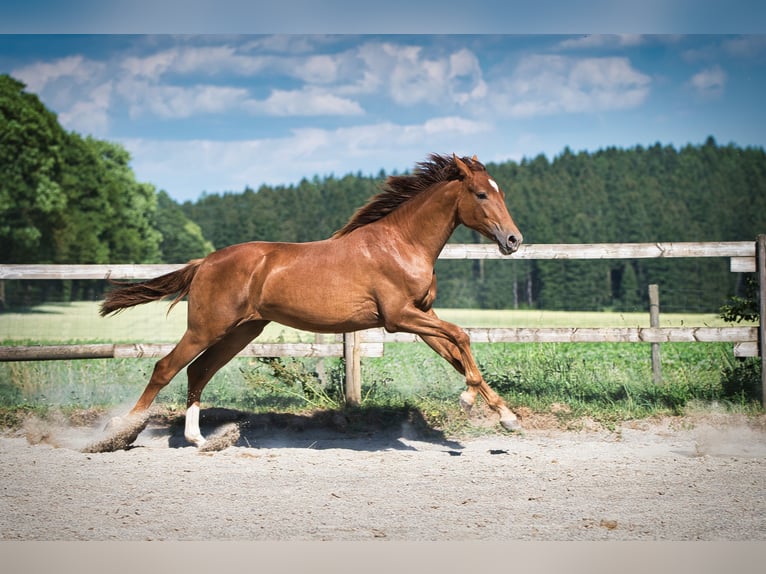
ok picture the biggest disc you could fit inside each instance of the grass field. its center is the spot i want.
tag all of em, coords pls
(80, 322)
(605, 381)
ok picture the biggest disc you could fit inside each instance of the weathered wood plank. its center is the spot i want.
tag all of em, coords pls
(742, 265)
(740, 250)
(128, 271)
(56, 352)
(604, 250)
(748, 349)
(372, 342)
(151, 350)
(158, 350)
(589, 335)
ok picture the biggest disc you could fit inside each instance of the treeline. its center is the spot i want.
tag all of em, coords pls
(69, 199)
(698, 193)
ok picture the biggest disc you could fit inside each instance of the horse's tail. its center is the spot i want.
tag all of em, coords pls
(131, 294)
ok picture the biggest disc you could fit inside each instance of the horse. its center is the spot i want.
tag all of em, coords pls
(376, 271)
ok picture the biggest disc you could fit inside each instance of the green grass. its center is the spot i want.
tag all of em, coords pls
(604, 381)
(80, 321)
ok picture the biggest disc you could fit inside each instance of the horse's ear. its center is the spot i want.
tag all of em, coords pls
(464, 169)
(474, 158)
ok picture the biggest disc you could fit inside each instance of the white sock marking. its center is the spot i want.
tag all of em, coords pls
(191, 429)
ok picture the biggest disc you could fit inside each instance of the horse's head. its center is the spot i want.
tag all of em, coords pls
(481, 206)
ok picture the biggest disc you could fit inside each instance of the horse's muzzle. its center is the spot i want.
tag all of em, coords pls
(510, 243)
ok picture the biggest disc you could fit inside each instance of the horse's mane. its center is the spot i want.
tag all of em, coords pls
(398, 189)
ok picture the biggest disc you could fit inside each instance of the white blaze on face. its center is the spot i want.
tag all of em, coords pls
(494, 184)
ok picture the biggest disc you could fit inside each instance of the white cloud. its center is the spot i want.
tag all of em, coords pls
(151, 66)
(321, 69)
(40, 75)
(179, 102)
(409, 77)
(709, 82)
(91, 115)
(155, 84)
(466, 78)
(306, 102)
(173, 102)
(550, 84)
(455, 125)
(373, 139)
(186, 60)
(153, 93)
(75, 88)
(212, 60)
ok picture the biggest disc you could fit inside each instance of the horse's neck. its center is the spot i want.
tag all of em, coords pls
(428, 220)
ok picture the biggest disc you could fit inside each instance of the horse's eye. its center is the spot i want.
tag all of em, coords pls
(481, 195)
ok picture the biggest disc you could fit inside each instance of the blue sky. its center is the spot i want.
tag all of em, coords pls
(213, 113)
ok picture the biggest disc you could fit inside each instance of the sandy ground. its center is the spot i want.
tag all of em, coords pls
(692, 478)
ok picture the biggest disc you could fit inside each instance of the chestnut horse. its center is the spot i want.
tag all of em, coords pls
(377, 271)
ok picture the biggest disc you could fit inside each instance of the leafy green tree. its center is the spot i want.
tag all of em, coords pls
(80, 232)
(31, 198)
(182, 239)
(65, 198)
(131, 237)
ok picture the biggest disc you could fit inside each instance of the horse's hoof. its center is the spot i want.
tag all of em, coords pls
(198, 440)
(466, 401)
(121, 433)
(511, 423)
(225, 437)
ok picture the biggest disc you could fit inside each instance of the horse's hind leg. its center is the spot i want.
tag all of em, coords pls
(168, 367)
(206, 365)
(125, 430)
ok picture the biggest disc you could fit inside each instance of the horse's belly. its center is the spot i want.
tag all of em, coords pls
(319, 301)
(333, 318)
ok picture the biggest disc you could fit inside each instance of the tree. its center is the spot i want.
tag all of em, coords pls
(65, 198)
(31, 198)
(131, 236)
(182, 239)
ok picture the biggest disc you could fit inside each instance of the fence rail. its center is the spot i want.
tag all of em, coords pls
(744, 256)
(741, 253)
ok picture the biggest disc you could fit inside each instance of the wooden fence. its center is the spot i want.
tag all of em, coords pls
(744, 256)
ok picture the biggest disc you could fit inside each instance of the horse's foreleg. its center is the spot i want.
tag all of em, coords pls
(452, 355)
(206, 365)
(507, 417)
(453, 344)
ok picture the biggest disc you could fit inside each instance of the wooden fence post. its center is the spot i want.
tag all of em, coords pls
(760, 248)
(352, 351)
(654, 322)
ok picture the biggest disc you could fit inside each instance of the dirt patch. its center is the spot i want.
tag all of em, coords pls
(120, 433)
(388, 476)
